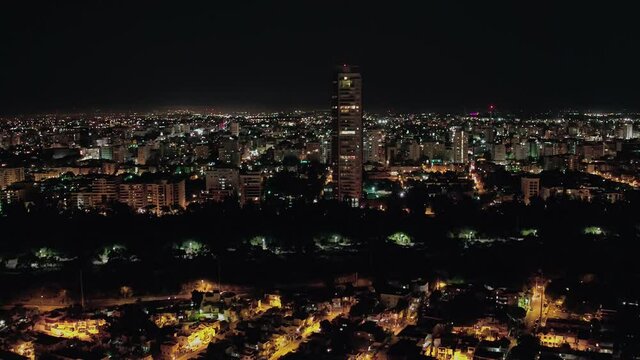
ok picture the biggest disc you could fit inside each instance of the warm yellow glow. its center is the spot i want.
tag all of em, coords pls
(428, 211)
(458, 355)
(619, 179)
(165, 319)
(80, 329)
(25, 349)
(201, 337)
(282, 345)
(274, 301)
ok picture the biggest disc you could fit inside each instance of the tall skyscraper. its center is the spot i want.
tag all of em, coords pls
(628, 131)
(347, 134)
(460, 145)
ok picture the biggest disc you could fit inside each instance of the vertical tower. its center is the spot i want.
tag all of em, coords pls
(459, 145)
(347, 134)
(234, 127)
(628, 131)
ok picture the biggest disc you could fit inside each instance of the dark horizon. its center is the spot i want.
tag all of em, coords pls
(271, 57)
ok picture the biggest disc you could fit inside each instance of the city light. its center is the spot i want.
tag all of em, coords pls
(205, 180)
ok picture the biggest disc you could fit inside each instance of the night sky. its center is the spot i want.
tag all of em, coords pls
(276, 55)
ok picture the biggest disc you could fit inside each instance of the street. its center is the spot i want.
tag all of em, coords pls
(315, 327)
(533, 314)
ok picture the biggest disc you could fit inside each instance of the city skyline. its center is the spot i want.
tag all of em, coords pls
(329, 180)
(183, 234)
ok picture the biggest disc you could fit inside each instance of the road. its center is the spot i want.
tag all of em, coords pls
(52, 304)
(534, 313)
(395, 327)
(48, 304)
(290, 347)
(315, 327)
(192, 354)
(633, 182)
(555, 311)
(477, 179)
(196, 352)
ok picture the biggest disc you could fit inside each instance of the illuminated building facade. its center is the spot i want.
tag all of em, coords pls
(9, 176)
(229, 151)
(347, 134)
(530, 188)
(156, 195)
(499, 154)
(374, 146)
(460, 145)
(222, 183)
(144, 152)
(234, 128)
(201, 152)
(104, 190)
(250, 188)
(628, 131)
